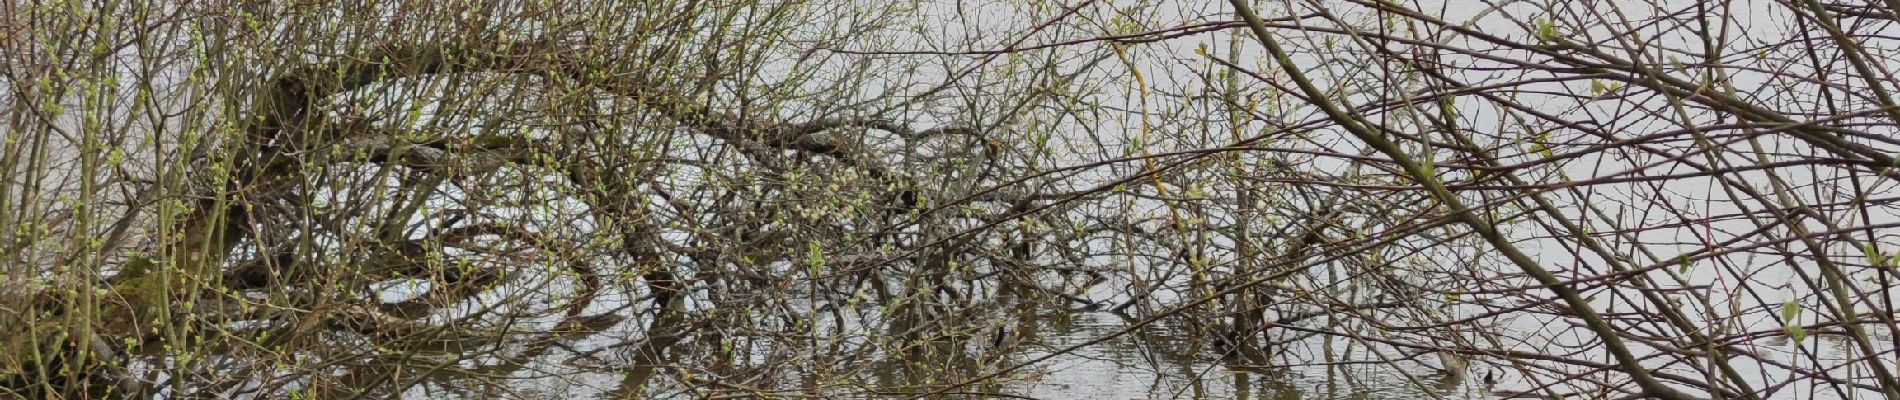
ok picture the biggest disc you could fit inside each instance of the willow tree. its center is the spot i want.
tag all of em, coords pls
(223, 198)
(741, 198)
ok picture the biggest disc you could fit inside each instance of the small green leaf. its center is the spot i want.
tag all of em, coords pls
(815, 256)
(1790, 312)
(1546, 30)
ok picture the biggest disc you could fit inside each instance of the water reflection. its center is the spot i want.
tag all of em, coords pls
(1155, 362)
(1158, 362)
(1099, 358)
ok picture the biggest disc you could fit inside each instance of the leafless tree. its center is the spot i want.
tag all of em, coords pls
(723, 198)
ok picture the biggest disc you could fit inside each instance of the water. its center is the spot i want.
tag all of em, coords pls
(776, 334)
